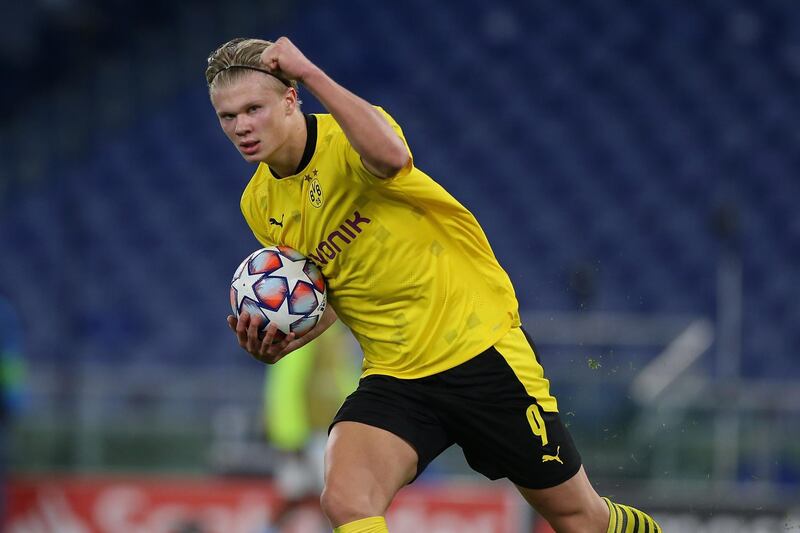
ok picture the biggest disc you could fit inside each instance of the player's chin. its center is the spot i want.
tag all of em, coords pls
(251, 158)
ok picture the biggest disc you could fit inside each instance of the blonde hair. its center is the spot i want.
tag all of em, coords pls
(227, 63)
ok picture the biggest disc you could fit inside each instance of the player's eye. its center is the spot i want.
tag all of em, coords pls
(226, 116)
(253, 108)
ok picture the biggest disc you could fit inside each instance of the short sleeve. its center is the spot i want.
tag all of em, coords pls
(355, 162)
(250, 213)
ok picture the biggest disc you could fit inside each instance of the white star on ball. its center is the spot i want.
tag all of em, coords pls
(282, 317)
(292, 271)
(245, 286)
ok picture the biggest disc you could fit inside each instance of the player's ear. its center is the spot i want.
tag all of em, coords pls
(290, 99)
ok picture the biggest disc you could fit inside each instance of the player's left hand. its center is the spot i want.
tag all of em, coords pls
(284, 59)
(262, 345)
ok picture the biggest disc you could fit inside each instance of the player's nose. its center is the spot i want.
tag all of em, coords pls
(242, 127)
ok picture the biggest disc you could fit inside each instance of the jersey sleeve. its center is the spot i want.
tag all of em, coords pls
(260, 235)
(254, 222)
(356, 164)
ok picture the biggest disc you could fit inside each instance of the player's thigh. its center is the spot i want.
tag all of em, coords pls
(366, 465)
(570, 506)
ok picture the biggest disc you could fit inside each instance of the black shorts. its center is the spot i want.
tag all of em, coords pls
(483, 406)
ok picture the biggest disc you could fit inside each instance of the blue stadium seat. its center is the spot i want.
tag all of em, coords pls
(592, 134)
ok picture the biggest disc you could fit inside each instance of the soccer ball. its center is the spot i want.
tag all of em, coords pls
(279, 284)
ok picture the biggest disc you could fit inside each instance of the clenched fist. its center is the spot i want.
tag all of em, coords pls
(284, 59)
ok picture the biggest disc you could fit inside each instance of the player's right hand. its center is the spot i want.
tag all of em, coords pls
(284, 59)
(262, 345)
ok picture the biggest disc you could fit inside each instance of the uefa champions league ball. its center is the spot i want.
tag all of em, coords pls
(279, 284)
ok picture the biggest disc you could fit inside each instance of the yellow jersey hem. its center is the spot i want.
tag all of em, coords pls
(453, 362)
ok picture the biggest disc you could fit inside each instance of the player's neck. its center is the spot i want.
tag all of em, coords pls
(284, 162)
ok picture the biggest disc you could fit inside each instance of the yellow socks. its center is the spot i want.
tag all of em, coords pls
(373, 524)
(626, 519)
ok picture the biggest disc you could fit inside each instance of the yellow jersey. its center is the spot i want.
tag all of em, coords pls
(408, 268)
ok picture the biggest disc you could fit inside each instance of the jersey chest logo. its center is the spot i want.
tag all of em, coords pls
(346, 233)
(314, 189)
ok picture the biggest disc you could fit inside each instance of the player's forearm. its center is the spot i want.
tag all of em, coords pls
(326, 320)
(381, 149)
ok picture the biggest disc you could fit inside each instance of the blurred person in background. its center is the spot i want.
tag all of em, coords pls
(301, 397)
(12, 375)
(410, 272)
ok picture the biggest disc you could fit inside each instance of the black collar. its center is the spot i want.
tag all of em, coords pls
(311, 144)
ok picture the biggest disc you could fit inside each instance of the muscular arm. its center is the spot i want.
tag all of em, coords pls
(381, 149)
(326, 320)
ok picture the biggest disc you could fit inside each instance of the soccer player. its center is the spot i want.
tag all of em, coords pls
(410, 272)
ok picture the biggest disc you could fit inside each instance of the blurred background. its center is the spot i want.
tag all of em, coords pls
(634, 164)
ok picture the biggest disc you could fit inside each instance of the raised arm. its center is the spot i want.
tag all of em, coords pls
(381, 149)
